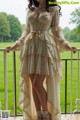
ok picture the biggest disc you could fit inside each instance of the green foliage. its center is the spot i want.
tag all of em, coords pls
(4, 27)
(73, 35)
(76, 16)
(66, 29)
(15, 27)
(66, 34)
(76, 20)
(10, 27)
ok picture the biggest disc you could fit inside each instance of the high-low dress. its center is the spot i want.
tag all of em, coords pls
(40, 50)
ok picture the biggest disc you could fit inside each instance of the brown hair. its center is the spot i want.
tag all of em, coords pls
(36, 4)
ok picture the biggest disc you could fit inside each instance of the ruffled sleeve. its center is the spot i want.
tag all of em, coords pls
(20, 41)
(56, 30)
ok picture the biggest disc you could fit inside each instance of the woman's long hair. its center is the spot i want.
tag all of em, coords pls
(36, 4)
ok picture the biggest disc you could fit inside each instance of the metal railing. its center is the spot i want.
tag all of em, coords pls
(6, 80)
(77, 99)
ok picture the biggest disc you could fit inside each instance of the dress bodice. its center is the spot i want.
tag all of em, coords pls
(41, 22)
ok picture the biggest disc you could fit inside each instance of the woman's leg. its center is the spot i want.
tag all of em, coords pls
(38, 86)
(42, 94)
(35, 96)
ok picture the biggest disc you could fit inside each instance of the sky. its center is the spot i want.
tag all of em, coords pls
(18, 8)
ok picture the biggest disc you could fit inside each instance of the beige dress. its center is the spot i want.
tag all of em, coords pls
(40, 55)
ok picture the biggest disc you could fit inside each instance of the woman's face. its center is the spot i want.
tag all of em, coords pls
(41, 1)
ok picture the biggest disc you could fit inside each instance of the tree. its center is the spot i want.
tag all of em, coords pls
(66, 34)
(15, 27)
(5, 14)
(76, 17)
(72, 36)
(4, 27)
(66, 29)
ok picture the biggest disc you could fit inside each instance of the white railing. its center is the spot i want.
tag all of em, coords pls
(77, 102)
(77, 99)
(6, 79)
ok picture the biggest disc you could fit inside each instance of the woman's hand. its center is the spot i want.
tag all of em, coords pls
(73, 49)
(11, 48)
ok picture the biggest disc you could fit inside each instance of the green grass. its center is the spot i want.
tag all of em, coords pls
(10, 79)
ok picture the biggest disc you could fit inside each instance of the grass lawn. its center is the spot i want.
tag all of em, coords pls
(62, 87)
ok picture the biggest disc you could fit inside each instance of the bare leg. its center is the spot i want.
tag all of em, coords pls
(38, 86)
(40, 96)
(35, 96)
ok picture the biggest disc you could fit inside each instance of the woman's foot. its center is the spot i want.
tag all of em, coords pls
(39, 115)
(46, 115)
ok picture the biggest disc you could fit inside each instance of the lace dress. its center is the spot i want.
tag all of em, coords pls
(40, 47)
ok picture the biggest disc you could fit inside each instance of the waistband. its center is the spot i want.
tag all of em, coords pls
(39, 32)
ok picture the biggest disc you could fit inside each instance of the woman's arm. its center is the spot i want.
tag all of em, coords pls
(20, 42)
(61, 42)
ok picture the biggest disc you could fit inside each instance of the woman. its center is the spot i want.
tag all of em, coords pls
(40, 69)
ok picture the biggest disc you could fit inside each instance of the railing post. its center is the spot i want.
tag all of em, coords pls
(5, 81)
(65, 86)
(14, 79)
(71, 83)
(77, 89)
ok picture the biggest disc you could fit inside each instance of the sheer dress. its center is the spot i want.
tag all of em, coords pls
(41, 43)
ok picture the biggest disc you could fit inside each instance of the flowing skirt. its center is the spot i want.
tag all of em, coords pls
(39, 55)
